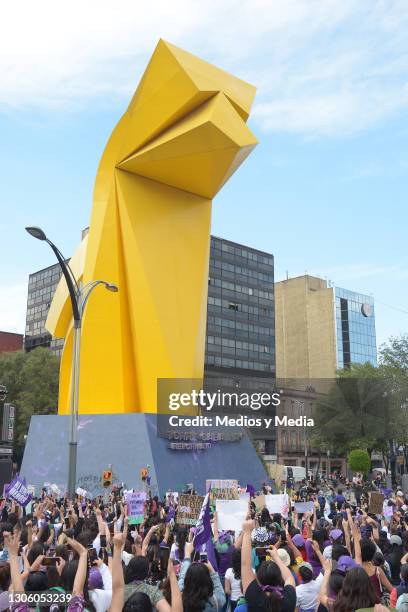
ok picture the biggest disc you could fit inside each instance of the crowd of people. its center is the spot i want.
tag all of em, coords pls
(87, 555)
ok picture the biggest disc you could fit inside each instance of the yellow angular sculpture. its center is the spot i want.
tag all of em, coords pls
(181, 138)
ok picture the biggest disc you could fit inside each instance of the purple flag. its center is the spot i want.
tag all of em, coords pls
(251, 490)
(17, 490)
(203, 533)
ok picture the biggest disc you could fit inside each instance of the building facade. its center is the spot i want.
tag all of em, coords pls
(240, 344)
(355, 328)
(41, 289)
(10, 342)
(294, 444)
(240, 338)
(320, 329)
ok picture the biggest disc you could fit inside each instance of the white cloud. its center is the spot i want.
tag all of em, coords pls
(13, 303)
(322, 66)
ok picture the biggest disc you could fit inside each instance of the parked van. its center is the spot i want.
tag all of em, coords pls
(299, 472)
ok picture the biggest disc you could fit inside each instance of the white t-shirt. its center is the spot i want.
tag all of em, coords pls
(236, 592)
(307, 593)
(102, 598)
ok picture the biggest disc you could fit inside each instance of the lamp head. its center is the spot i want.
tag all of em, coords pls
(36, 232)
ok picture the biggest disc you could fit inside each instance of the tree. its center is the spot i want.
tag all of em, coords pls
(32, 383)
(358, 411)
(394, 353)
(359, 461)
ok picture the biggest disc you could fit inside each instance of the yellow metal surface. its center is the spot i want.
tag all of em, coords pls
(182, 137)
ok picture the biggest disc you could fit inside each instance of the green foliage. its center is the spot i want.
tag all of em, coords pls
(394, 353)
(358, 411)
(32, 383)
(359, 461)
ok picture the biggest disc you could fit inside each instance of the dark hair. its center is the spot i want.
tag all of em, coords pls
(378, 558)
(198, 587)
(265, 518)
(404, 572)
(5, 576)
(138, 602)
(35, 551)
(338, 551)
(356, 592)
(268, 573)
(336, 582)
(36, 581)
(68, 578)
(236, 563)
(181, 539)
(306, 574)
(137, 569)
(319, 536)
(368, 549)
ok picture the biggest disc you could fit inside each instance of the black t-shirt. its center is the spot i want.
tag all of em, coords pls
(256, 598)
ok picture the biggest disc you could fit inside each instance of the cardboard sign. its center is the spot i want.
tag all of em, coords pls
(259, 501)
(231, 514)
(302, 507)
(222, 489)
(135, 502)
(375, 503)
(189, 509)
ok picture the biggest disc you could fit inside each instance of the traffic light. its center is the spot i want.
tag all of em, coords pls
(107, 478)
(144, 472)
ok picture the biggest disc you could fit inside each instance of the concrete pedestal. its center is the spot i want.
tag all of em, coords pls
(130, 442)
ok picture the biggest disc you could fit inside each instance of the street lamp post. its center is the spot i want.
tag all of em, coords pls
(79, 297)
(303, 413)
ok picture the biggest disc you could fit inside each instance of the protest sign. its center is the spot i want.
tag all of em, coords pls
(17, 490)
(375, 503)
(388, 511)
(277, 504)
(222, 489)
(259, 501)
(189, 509)
(81, 492)
(135, 502)
(231, 514)
(302, 507)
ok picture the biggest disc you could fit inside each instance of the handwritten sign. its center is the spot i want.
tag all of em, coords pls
(189, 509)
(135, 502)
(222, 489)
(375, 503)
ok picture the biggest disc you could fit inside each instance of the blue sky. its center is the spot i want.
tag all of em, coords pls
(326, 188)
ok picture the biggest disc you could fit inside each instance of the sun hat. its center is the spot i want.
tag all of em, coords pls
(284, 556)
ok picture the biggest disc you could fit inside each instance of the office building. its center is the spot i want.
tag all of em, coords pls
(321, 329)
(10, 342)
(240, 344)
(41, 288)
